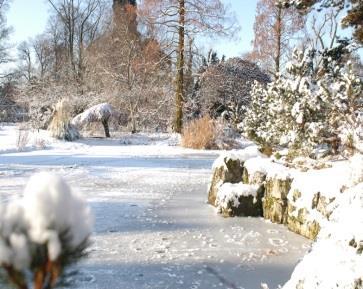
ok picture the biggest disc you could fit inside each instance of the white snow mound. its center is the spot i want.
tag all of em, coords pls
(336, 259)
(99, 112)
(241, 155)
(47, 210)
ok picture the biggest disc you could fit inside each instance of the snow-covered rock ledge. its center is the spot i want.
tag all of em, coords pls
(325, 205)
(302, 200)
(226, 190)
(336, 259)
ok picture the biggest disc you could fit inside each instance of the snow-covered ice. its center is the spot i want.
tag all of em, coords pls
(153, 228)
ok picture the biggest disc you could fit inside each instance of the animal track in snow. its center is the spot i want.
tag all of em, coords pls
(277, 242)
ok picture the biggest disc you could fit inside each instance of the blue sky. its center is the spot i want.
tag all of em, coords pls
(29, 17)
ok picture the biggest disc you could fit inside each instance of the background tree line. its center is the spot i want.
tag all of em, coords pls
(144, 57)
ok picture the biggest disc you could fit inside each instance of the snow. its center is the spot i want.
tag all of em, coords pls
(241, 155)
(47, 210)
(328, 182)
(153, 228)
(334, 261)
(99, 112)
(50, 208)
(13, 242)
(356, 169)
(268, 167)
(229, 195)
(35, 139)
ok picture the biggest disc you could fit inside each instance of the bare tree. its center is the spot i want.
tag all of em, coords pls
(321, 34)
(181, 18)
(80, 20)
(43, 53)
(352, 8)
(133, 69)
(274, 29)
(225, 88)
(4, 33)
(26, 63)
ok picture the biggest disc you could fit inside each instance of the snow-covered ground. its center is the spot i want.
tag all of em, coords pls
(153, 228)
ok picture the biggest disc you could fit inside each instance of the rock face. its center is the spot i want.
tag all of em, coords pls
(275, 200)
(254, 178)
(336, 258)
(239, 200)
(249, 184)
(300, 219)
(228, 170)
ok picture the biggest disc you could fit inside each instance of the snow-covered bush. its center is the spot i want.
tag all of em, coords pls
(61, 126)
(306, 108)
(97, 113)
(40, 116)
(43, 233)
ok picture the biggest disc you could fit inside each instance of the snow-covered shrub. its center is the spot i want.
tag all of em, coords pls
(200, 134)
(305, 108)
(43, 233)
(61, 126)
(40, 116)
(97, 113)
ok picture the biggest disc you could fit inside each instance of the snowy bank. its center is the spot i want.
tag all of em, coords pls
(324, 204)
(300, 199)
(336, 259)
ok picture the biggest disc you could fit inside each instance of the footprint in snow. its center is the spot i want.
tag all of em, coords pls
(277, 242)
(272, 231)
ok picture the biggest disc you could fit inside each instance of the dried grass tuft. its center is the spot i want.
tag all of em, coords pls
(200, 134)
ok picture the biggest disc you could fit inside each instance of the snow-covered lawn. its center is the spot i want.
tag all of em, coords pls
(153, 228)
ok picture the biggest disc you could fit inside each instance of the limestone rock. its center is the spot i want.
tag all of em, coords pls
(307, 220)
(275, 210)
(229, 170)
(254, 178)
(239, 200)
(275, 200)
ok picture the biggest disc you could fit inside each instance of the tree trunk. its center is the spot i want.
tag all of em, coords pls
(278, 39)
(179, 97)
(188, 78)
(106, 128)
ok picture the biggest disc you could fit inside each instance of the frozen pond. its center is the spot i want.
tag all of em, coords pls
(153, 228)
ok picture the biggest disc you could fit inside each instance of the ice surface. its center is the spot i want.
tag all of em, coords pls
(153, 228)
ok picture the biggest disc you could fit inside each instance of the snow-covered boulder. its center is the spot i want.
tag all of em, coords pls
(255, 170)
(313, 193)
(336, 259)
(275, 208)
(311, 196)
(228, 168)
(239, 200)
(274, 183)
(98, 113)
